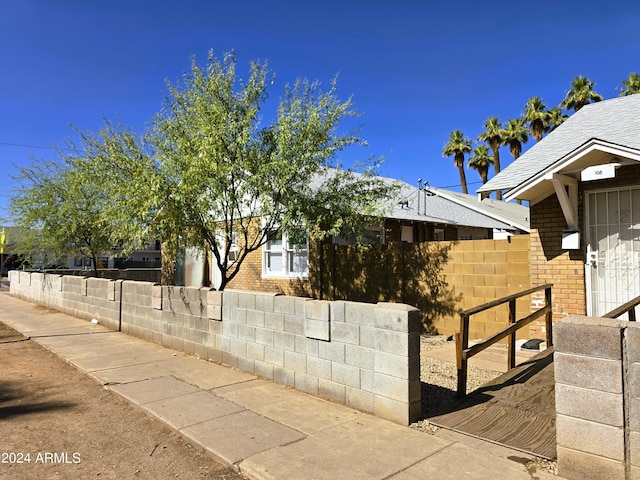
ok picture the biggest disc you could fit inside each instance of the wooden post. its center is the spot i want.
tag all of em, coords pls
(462, 344)
(549, 316)
(511, 352)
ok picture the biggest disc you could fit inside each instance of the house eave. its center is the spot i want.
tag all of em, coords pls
(594, 152)
(485, 212)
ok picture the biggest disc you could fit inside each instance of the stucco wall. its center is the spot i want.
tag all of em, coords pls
(366, 356)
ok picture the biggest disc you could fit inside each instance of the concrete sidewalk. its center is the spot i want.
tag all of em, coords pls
(266, 430)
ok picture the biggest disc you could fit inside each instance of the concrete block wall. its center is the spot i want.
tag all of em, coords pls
(597, 361)
(479, 270)
(42, 289)
(366, 356)
(485, 270)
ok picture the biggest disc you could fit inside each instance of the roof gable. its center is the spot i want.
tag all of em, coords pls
(590, 136)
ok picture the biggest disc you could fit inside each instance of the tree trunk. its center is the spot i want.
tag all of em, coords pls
(463, 180)
(94, 259)
(496, 168)
(206, 269)
(168, 254)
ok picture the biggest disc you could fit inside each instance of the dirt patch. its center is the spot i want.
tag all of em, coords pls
(56, 422)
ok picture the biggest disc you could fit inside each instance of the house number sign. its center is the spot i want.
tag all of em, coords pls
(598, 172)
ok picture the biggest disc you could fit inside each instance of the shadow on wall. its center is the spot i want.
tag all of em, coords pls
(410, 273)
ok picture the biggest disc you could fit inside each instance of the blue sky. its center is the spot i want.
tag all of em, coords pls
(416, 69)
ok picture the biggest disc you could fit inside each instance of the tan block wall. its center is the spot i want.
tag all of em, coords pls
(477, 272)
(485, 270)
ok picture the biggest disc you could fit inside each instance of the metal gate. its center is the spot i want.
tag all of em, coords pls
(612, 270)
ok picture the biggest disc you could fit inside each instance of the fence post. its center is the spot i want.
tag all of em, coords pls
(549, 316)
(512, 338)
(462, 343)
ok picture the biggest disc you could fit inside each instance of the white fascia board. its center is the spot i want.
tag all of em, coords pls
(482, 211)
(570, 158)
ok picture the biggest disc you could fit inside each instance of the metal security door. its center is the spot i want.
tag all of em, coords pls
(612, 270)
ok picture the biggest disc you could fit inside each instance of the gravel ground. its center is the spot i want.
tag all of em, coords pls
(439, 383)
(440, 378)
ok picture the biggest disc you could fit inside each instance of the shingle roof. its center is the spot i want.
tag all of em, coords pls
(446, 207)
(511, 213)
(615, 121)
(436, 205)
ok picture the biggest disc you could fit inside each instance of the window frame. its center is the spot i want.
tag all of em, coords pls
(286, 250)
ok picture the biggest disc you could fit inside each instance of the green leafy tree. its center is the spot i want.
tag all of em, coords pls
(211, 174)
(556, 118)
(536, 116)
(580, 94)
(457, 146)
(492, 135)
(480, 161)
(142, 203)
(631, 85)
(57, 211)
(515, 134)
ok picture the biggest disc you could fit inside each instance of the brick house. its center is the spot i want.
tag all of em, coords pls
(419, 214)
(582, 182)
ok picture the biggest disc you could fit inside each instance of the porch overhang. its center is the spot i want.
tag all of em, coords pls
(563, 175)
(566, 189)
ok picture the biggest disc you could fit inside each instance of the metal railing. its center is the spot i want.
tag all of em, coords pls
(464, 352)
(628, 307)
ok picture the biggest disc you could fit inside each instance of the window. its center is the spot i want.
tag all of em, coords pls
(407, 233)
(286, 255)
(233, 249)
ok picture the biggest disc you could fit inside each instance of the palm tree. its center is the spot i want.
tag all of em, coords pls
(480, 161)
(515, 133)
(556, 117)
(536, 115)
(581, 94)
(492, 135)
(632, 85)
(457, 146)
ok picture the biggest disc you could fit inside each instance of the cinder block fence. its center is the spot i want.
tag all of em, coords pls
(366, 356)
(597, 372)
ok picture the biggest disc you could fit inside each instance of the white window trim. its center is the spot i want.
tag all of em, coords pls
(285, 250)
(234, 249)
